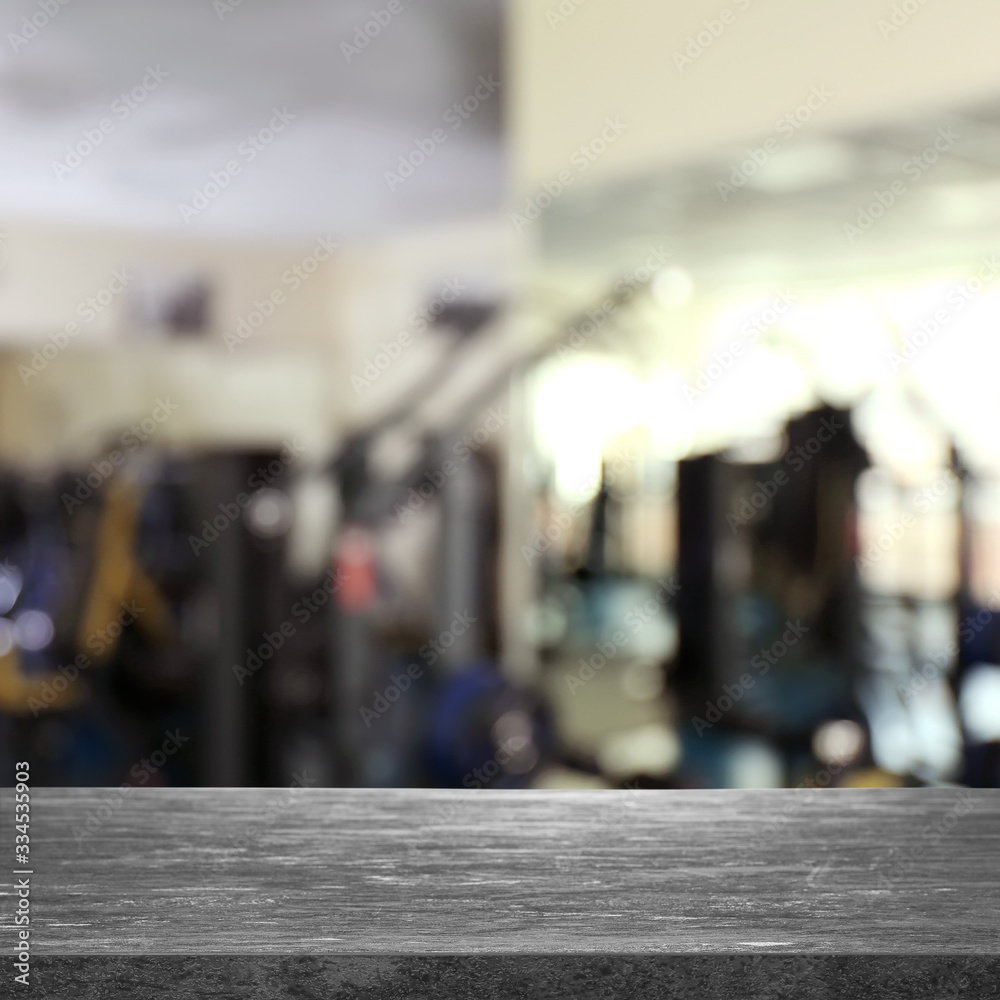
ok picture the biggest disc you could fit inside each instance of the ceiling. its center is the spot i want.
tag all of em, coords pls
(879, 236)
(786, 219)
(228, 65)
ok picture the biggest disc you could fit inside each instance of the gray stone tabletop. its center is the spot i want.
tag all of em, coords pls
(388, 892)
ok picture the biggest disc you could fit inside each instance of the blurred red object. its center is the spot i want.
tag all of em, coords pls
(354, 563)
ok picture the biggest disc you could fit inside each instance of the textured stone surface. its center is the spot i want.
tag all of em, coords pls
(505, 977)
(380, 893)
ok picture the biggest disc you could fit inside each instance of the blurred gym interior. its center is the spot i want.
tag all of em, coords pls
(500, 395)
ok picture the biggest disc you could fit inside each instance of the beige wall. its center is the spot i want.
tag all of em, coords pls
(293, 375)
(611, 58)
(266, 389)
(50, 270)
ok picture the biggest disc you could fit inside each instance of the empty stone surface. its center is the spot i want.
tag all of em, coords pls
(318, 872)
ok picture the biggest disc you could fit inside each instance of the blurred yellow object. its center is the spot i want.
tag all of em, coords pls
(117, 578)
(19, 693)
(871, 777)
(118, 584)
(554, 777)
